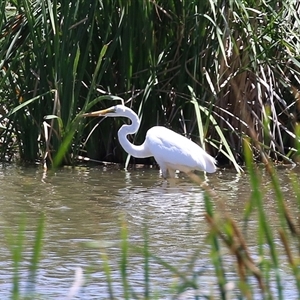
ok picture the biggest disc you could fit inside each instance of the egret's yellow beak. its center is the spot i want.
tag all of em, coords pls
(99, 113)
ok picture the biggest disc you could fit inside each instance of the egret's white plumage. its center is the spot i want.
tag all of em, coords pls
(171, 150)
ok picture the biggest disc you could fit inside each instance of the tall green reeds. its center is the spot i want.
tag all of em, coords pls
(50, 73)
(207, 69)
(16, 243)
(242, 271)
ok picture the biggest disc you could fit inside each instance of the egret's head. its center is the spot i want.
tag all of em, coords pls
(114, 111)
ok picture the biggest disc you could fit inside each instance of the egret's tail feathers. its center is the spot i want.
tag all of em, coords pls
(211, 165)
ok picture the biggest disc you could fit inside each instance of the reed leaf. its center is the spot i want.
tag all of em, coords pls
(264, 228)
(124, 261)
(36, 254)
(107, 271)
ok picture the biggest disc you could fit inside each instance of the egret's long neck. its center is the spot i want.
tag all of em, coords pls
(134, 150)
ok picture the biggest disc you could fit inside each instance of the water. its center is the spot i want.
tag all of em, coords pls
(84, 205)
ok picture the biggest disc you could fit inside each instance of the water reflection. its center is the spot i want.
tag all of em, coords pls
(88, 204)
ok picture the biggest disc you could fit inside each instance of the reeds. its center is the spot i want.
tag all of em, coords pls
(16, 243)
(241, 270)
(214, 71)
(255, 272)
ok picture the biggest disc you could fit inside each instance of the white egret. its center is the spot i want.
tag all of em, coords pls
(171, 150)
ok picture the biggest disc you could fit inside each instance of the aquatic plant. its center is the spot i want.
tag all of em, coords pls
(16, 241)
(214, 71)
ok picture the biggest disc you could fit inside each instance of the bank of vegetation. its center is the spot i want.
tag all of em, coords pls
(214, 71)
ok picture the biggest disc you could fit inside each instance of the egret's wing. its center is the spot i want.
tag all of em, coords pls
(178, 152)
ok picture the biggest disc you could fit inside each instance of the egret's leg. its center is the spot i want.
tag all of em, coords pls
(164, 173)
(163, 170)
(171, 173)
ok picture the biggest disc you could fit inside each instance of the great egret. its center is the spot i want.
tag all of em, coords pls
(171, 150)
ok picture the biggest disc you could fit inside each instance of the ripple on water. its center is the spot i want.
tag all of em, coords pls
(83, 205)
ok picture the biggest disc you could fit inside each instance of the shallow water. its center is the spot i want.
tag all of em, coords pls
(84, 205)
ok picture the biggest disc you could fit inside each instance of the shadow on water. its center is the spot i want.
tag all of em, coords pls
(88, 204)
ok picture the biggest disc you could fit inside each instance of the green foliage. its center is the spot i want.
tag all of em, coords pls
(269, 263)
(210, 69)
(49, 70)
(17, 247)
